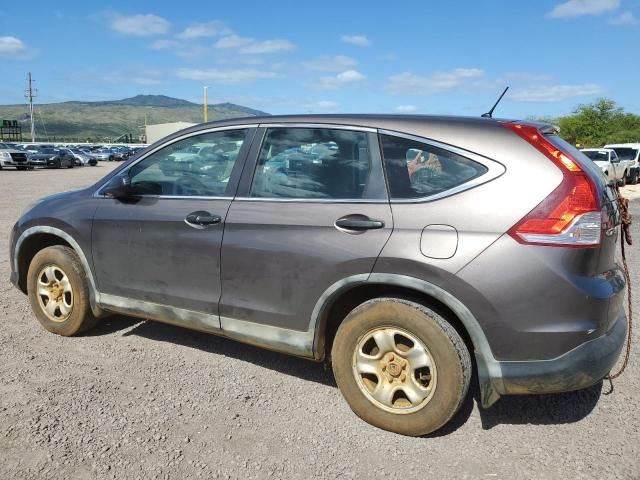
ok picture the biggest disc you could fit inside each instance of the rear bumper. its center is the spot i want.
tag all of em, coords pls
(579, 368)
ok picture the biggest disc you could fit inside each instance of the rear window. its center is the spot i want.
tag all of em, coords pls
(417, 170)
(597, 156)
(626, 153)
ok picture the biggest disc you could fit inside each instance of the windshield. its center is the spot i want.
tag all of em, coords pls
(3, 146)
(47, 150)
(626, 153)
(597, 156)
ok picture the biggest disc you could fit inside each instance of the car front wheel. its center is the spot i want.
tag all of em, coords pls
(401, 366)
(58, 291)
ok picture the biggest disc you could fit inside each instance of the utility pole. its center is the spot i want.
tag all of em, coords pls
(205, 113)
(29, 94)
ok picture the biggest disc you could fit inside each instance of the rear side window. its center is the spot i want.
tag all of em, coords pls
(416, 170)
(313, 163)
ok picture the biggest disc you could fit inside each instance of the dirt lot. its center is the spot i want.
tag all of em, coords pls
(137, 399)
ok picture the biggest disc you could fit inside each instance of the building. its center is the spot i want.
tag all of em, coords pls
(155, 132)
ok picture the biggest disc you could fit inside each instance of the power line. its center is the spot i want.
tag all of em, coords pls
(29, 94)
(46, 135)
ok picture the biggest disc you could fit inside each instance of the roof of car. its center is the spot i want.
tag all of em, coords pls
(623, 145)
(596, 149)
(365, 120)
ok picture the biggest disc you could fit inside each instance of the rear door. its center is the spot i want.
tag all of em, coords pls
(311, 210)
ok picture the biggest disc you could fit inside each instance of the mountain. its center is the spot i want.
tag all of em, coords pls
(97, 121)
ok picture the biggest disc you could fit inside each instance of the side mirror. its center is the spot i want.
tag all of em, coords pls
(118, 187)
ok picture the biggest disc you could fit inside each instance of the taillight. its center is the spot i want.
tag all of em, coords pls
(571, 215)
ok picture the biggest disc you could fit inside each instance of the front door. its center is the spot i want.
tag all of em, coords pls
(312, 212)
(161, 247)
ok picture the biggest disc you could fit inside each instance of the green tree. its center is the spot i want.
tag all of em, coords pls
(599, 123)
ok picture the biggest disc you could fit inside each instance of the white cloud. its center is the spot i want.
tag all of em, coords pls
(138, 75)
(224, 76)
(335, 63)
(12, 47)
(165, 44)
(266, 46)
(406, 108)
(344, 78)
(204, 30)
(182, 48)
(359, 40)
(250, 46)
(409, 83)
(625, 18)
(576, 8)
(320, 105)
(139, 25)
(233, 41)
(554, 93)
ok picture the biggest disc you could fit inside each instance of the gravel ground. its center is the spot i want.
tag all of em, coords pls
(135, 399)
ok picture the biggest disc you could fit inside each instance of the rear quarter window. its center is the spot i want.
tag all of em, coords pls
(418, 170)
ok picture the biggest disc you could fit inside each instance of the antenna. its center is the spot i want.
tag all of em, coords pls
(29, 94)
(489, 114)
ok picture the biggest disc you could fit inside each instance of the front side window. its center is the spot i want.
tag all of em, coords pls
(416, 170)
(313, 163)
(197, 166)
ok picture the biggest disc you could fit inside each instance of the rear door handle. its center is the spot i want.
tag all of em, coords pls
(359, 223)
(202, 219)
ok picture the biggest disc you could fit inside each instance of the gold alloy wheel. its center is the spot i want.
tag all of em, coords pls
(55, 295)
(394, 370)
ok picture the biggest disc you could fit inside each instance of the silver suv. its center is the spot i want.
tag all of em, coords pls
(405, 250)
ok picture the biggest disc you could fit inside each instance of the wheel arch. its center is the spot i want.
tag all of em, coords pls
(33, 240)
(345, 295)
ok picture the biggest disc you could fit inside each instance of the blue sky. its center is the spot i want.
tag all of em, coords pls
(329, 56)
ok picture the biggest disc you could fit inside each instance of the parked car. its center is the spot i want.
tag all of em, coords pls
(51, 157)
(83, 158)
(607, 160)
(77, 161)
(629, 154)
(120, 153)
(11, 157)
(103, 154)
(396, 279)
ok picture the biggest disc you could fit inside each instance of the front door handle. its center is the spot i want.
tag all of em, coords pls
(202, 219)
(359, 223)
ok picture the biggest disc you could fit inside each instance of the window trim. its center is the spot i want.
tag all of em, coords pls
(246, 146)
(495, 169)
(377, 167)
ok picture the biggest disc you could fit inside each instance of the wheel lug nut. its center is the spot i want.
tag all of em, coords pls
(391, 357)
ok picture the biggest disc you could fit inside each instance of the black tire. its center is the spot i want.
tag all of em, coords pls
(444, 345)
(21, 168)
(634, 178)
(80, 317)
(58, 163)
(623, 180)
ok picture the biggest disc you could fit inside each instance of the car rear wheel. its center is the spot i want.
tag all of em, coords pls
(58, 291)
(633, 179)
(401, 366)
